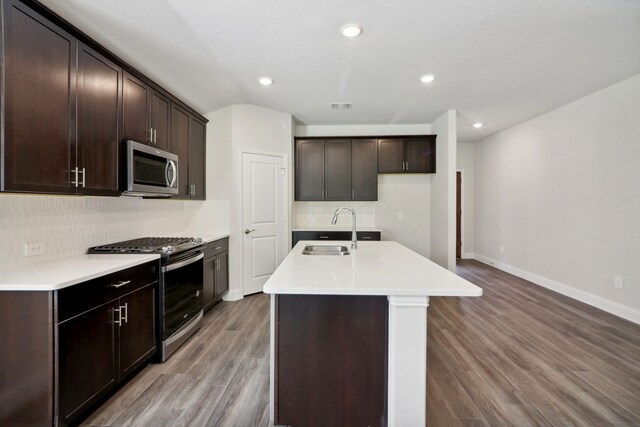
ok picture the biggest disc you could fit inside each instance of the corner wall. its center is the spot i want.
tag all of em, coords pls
(561, 195)
(443, 190)
(261, 130)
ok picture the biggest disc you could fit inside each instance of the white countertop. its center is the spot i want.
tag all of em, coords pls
(213, 236)
(375, 268)
(61, 273)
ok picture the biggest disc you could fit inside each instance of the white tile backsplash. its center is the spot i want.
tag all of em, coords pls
(69, 225)
(319, 214)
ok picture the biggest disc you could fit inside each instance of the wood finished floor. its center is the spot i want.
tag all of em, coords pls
(519, 355)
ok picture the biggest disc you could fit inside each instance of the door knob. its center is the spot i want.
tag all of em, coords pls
(247, 231)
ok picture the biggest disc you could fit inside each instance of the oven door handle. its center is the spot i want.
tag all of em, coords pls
(171, 267)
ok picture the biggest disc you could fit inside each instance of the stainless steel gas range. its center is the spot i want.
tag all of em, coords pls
(179, 299)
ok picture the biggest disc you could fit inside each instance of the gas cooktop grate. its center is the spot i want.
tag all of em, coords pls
(144, 244)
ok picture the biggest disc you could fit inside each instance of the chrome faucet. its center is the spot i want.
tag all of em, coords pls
(354, 234)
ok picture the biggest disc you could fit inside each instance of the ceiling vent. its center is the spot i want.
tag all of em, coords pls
(341, 105)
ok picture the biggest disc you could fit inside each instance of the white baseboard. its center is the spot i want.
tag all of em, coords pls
(468, 255)
(620, 310)
(232, 295)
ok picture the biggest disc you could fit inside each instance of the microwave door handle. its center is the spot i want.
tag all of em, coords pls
(170, 173)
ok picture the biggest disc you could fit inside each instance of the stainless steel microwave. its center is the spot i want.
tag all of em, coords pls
(149, 172)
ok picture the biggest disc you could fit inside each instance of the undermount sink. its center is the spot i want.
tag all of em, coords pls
(325, 250)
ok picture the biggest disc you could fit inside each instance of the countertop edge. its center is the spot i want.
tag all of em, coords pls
(74, 280)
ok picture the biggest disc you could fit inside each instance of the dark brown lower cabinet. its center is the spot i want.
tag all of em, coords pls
(333, 235)
(73, 345)
(216, 272)
(331, 360)
(87, 350)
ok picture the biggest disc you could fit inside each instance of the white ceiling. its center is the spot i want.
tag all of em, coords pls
(500, 62)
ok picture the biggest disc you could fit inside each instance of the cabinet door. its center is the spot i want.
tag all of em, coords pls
(159, 110)
(135, 105)
(137, 329)
(390, 155)
(222, 275)
(209, 282)
(420, 155)
(309, 169)
(364, 169)
(99, 88)
(197, 159)
(180, 120)
(39, 103)
(337, 169)
(87, 361)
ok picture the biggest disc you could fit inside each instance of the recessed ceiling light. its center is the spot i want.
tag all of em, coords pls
(477, 125)
(427, 78)
(351, 30)
(265, 81)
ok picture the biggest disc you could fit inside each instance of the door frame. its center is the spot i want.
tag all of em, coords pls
(462, 213)
(285, 202)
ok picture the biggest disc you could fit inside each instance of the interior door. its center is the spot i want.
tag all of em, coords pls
(264, 218)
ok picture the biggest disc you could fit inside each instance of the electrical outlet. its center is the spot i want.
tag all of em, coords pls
(501, 249)
(617, 282)
(400, 216)
(32, 249)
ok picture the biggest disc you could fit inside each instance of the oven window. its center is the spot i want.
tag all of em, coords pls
(182, 296)
(149, 169)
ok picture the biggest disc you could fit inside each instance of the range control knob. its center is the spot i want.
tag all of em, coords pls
(168, 249)
(197, 240)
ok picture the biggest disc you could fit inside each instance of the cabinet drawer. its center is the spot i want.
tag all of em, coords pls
(368, 235)
(84, 296)
(216, 247)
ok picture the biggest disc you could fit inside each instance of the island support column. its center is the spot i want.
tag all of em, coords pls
(407, 387)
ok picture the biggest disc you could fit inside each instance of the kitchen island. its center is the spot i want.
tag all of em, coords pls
(349, 334)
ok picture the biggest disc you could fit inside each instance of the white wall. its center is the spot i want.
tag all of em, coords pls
(561, 194)
(443, 190)
(261, 130)
(465, 164)
(406, 193)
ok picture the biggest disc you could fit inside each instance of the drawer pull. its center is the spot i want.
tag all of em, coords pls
(366, 237)
(217, 248)
(120, 284)
(324, 237)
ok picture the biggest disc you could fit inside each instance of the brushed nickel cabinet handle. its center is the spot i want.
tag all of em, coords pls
(125, 307)
(117, 321)
(120, 284)
(75, 171)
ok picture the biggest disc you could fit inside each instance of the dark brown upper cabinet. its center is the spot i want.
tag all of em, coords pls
(99, 112)
(364, 170)
(309, 169)
(197, 159)
(67, 105)
(336, 169)
(39, 103)
(62, 105)
(407, 154)
(146, 114)
(188, 138)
